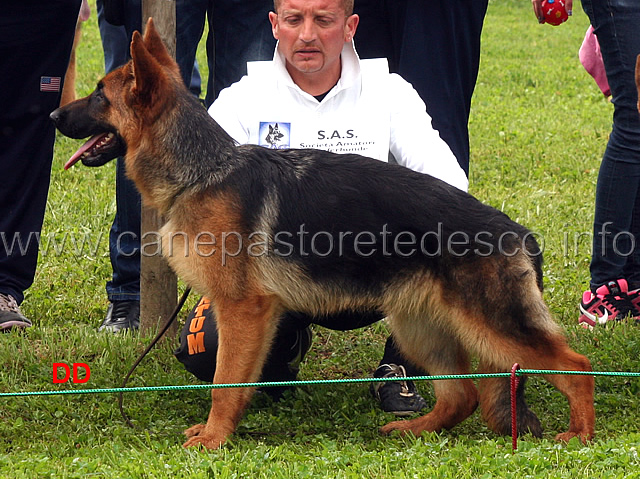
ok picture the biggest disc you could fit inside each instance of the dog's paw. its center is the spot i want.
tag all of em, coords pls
(198, 437)
(209, 442)
(401, 426)
(584, 437)
(194, 430)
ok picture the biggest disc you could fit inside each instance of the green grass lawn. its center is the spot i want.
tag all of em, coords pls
(539, 126)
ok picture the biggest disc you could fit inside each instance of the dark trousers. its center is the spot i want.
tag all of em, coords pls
(239, 32)
(35, 43)
(435, 46)
(124, 236)
(617, 209)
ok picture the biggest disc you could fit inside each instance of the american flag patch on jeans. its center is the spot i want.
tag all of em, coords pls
(50, 84)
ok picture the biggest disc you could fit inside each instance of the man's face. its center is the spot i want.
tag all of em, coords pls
(311, 35)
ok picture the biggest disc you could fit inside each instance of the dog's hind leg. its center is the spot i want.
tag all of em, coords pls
(578, 389)
(441, 354)
(545, 351)
(245, 331)
(514, 325)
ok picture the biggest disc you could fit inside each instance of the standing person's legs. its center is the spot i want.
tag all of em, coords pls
(614, 264)
(445, 37)
(190, 18)
(435, 46)
(123, 290)
(115, 42)
(34, 67)
(241, 33)
(379, 32)
(615, 25)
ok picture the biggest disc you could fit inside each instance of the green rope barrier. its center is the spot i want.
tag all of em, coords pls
(579, 373)
(315, 382)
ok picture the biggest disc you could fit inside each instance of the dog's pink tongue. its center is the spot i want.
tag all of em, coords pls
(90, 143)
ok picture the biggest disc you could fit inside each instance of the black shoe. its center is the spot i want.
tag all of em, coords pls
(398, 397)
(10, 315)
(122, 316)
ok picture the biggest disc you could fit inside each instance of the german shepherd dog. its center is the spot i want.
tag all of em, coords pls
(322, 233)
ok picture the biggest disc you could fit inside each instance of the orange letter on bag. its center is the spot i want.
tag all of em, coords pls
(203, 305)
(196, 343)
(67, 372)
(196, 324)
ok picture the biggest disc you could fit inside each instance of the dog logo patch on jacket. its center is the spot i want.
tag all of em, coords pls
(275, 135)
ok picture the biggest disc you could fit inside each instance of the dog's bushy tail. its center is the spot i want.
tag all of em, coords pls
(495, 403)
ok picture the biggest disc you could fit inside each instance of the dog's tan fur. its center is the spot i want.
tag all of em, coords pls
(69, 85)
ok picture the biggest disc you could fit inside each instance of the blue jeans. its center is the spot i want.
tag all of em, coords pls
(124, 236)
(617, 209)
(239, 32)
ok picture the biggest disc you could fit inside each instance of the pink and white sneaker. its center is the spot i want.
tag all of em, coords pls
(611, 301)
(634, 297)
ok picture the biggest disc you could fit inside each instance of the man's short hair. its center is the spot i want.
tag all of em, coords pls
(346, 4)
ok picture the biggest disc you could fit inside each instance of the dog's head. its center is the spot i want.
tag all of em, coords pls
(124, 101)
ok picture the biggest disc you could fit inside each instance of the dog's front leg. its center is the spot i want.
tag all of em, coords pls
(245, 331)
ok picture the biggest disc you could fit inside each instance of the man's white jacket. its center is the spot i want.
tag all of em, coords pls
(369, 111)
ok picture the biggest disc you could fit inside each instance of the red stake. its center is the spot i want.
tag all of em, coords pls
(515, 380)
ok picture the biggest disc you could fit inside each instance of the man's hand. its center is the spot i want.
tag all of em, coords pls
(537, 8)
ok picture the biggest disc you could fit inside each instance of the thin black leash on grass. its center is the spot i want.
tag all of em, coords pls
(163, 330)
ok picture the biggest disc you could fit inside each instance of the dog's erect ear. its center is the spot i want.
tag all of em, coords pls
(151, 78)
(157, 48)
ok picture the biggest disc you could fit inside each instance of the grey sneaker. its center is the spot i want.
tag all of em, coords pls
(10, 314)
(398, 397)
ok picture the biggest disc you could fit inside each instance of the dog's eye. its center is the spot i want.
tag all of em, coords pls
(98, 94)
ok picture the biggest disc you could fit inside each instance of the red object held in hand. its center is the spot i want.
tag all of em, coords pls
(554, 12)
